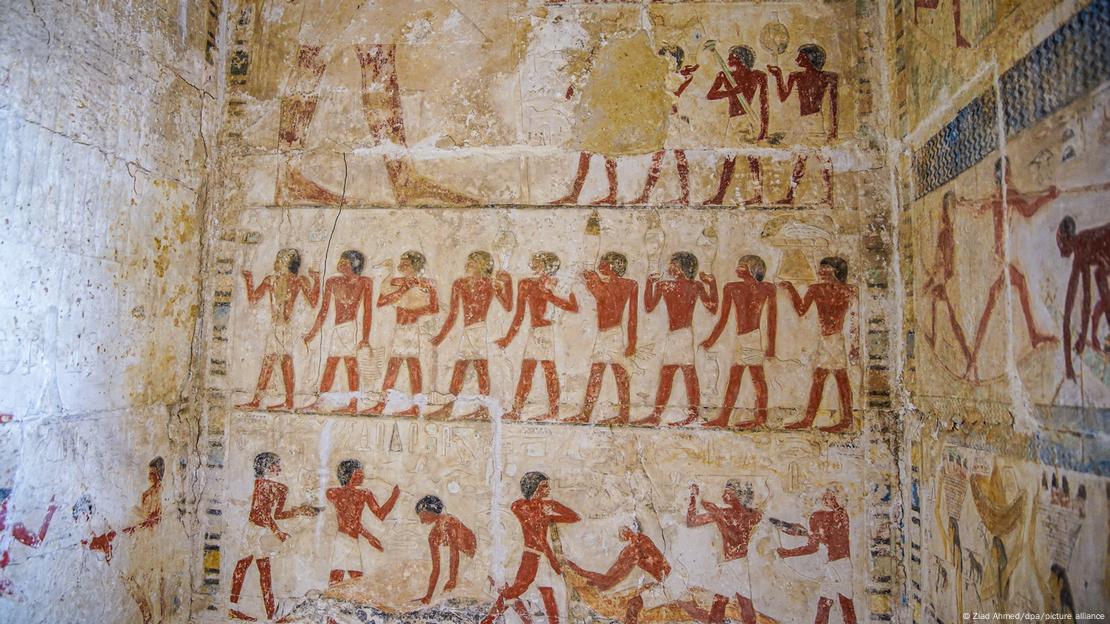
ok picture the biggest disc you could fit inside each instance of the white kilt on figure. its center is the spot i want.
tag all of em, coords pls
(609, 346)
(540, 345)
(344, 340)
(406, 341)
(731, 578)
(838, 578)
(473, 344)
(260, 542)
(346, 553)
(279, 340)
(749, 350)
(678, 347)
(832, 352)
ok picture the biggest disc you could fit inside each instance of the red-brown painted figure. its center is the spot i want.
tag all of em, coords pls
(961, 42)
(473, 295)
(830, 528)
(449, 531)
(750, 296)
(1027, 205)
(284, 286)
(98, 534)
(833, 297)
(614, 293)
(749, 84)
(681, 295)
(678, 79)
(349, 499)
(538, 515)
(1090, 252)
(735, 520)
(936, 281)
(813, 84)
(18, 532)
(414, 297)
(298, 109)
(641, 553)
(264, 537)
(351, 292)
(533, 296)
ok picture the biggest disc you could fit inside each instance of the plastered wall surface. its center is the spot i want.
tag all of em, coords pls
(101, 109)
(1003, 238)
(543, 310)
(463, 245)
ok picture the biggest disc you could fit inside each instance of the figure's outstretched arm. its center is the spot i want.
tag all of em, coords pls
(834, 104)
(1069, 302)
(452, 312)
(722, 320)
(433, 577)
(383, 510)
(772, 321)
(811, 545)
(503, 289)
(518, 318)
(255, 294)
(633, 322)
(652, 292)
(322, 315)
(367, 310)
(707, 292)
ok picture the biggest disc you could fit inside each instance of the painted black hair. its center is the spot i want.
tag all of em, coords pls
(430, 504)
(530, 482)
(347, 467)
(262, 463)
(355, 259)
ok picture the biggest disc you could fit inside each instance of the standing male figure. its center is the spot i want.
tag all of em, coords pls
(735, 520)
(349, 499)
(534, 294)
(351, 291)
(829, 528)
(264, 537)
(1026, 205)
(678, 79)
(18, 532)
(537, 514)
(746, 82)
(1090, 251)
(961, 41)
(473, 294)
(833, 296)
(613, 293)
(284, 285)
(414, 297)
(449, 531)
(661, 586)
(750, 296)
(144, 544)
(936, 282)
(813, 83)
(681, 294)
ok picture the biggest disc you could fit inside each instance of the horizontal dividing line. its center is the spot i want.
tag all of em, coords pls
(561, 208)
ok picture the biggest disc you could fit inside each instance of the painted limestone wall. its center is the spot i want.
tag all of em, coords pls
(1002, 110)
(462, 244)
(100, 191)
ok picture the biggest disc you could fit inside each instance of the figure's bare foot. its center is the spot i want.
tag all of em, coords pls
(578, 418)
(804, 423)
(714, 201)
(754, 200)
(615, 420)
(479, 414)
(236, 614)
(285, 406)
(567, 200)
(550, 417)
(442, 413)
(642, 200)
(754, 423)
(350, 408)
(720, 421)
(250, 405)
(961, 41)
(513, 414)
(787, 200)
(311, 407)
(376, 410)
(681, 201)
(608, 200)
(651, 421)
(691, 418)
(840, 427)
(413, 412)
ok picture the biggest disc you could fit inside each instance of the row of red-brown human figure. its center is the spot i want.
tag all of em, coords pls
(414, 297)
(541, 562)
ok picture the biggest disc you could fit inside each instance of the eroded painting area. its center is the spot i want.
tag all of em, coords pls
(515, 102)
(1006, 453)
